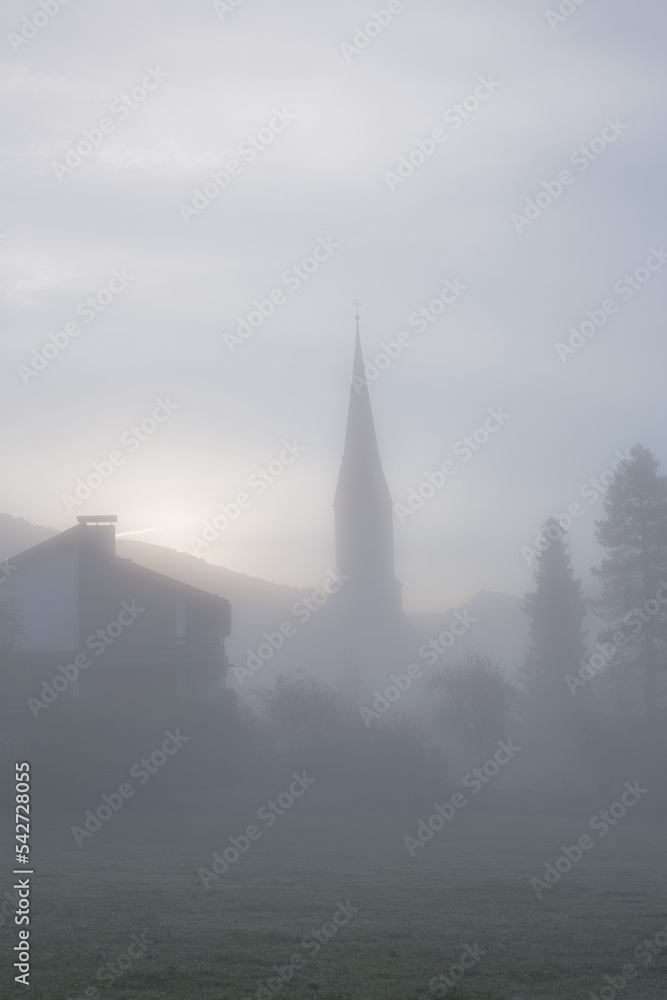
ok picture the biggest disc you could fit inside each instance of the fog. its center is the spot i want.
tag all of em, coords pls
(333, 592)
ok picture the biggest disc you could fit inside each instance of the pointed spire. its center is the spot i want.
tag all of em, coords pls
(370, 607)
(364, 530)
(358, 370)
(360, 439)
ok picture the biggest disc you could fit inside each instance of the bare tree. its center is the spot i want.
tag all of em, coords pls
(476, 703)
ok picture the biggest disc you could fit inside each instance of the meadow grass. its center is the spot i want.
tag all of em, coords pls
(470, 885)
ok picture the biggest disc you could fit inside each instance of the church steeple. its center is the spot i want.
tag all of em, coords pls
(363, 506)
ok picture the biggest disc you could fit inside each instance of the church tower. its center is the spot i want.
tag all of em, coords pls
(364, 513)
(362, 634)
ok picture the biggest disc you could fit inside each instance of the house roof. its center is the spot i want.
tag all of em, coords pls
(77, 535)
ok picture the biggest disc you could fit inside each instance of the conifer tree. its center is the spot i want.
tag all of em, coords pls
(556, 647)
(634, 577)
(556, 609)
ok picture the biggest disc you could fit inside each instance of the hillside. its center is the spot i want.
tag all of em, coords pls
(17, 534)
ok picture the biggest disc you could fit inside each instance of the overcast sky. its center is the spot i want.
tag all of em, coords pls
(346, 119)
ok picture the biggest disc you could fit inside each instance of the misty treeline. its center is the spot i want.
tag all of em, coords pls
(588, 705)
(82, 747)
(599, 694)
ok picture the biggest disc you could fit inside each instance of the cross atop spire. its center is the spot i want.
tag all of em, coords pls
(357, 304)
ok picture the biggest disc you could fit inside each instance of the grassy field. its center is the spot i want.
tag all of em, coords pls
(469, 886)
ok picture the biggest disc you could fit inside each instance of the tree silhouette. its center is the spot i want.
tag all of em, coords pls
(556, 610)
(633, 574)
(476, 703)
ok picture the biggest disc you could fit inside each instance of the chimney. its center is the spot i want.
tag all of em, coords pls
(100, 531)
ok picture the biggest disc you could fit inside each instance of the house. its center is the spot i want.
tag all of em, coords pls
(125, 629)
